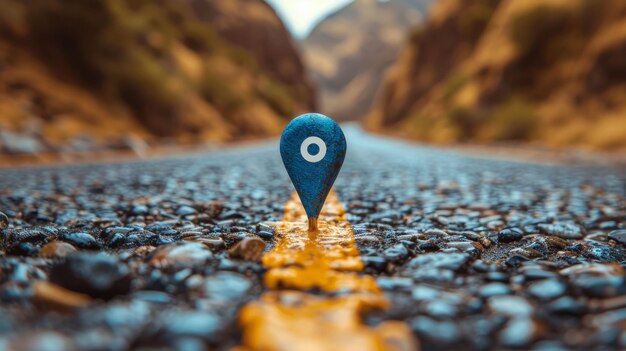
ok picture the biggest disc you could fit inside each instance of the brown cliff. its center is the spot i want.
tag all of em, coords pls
(83, 74)
(547, 72)
(349, 51)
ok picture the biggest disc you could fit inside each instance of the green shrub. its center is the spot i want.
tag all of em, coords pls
(199, 37)
(514, 120)
(475, 19)
(142, 81)
(119, 50)
(453, 84)
(590, 14)
(277, 96)
(69, 34)
(421, 126)
(531, 28)
(466, 121)
(96, 43)
(215, 88)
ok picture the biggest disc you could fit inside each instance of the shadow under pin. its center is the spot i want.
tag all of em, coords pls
(313, 148)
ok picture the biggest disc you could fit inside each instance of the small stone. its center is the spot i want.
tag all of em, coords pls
(433, 275)
(23, 249)
(510, 305)
(4, 221)
(482, 266)
(538, 274)
(608, 225)
(594, 269)
(138, 210)
(95, 274)
(609, 303)
(596, 279)
(525, 252)
(548, 289)
(233, 238)
(180, 254)
(394, 283)
(57, 249)
(41, 341)
(204, 325)
(81, 240)
(567, 305)
(471, 248)
(437, 332)
(21, 273)
(159, 297)
(605, 253)
(424, 293)
(544, 243)
(249, 249)
(408, 237)
(226, 286)
(435, 233)
(376, 263)
(619, 236)
(408, 244)
(265, 227)
(265, 235)
(110, 231)
(493, 289)
(610, 317)
(367, 241)
(485, 242)
(26, 235)
(117, 240)
(187, 343)
(452, 261)
(48, 296)
(562, 230)
(397, 253)
(497, 277)
(144, 250)
(550, 346)
(519, 332)
(427, 246)
(442, 309)
(509, 235)
(210, 242)
(186, 211)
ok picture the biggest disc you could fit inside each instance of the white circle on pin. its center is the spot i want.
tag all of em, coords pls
(304, 149)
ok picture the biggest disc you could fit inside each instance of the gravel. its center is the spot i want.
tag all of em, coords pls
(472, 253)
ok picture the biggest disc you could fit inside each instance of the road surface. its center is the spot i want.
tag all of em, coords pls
(461, 252)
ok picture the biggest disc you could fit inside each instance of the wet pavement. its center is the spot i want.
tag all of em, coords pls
(472, 253)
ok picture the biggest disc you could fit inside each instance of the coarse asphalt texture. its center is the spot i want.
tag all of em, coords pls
(473, 253)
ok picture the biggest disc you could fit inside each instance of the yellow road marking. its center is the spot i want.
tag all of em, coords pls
(289, 318)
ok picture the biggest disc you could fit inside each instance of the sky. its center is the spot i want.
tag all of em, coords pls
(301, 16)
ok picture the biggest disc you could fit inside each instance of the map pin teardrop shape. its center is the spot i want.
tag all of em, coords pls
(313, 148)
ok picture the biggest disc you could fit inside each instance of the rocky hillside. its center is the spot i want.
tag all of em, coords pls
(77, 74)
(552, 72)
(349, 51)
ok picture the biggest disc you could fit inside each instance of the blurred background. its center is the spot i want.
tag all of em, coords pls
(82, 77)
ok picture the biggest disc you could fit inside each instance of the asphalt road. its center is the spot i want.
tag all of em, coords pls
(472, 253)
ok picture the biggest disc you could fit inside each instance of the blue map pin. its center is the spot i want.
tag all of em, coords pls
(313, 148)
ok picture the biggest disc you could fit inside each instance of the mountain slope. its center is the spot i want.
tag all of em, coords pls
(348, 52)
(100, 72)
(549, 72)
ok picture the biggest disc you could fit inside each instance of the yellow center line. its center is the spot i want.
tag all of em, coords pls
(290, 318)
